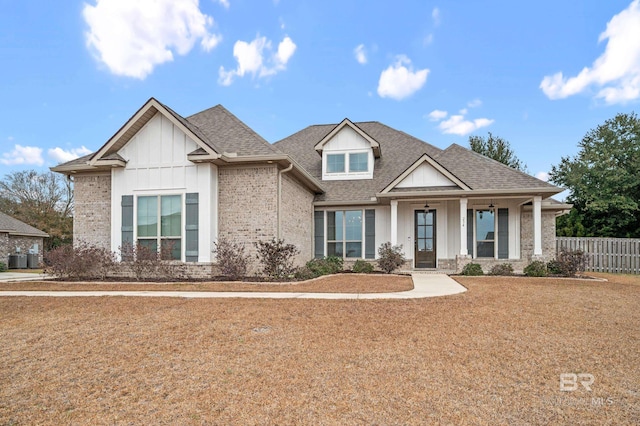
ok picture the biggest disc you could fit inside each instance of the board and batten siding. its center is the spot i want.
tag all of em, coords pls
(345, 141)
(425, 176)
(157, 165)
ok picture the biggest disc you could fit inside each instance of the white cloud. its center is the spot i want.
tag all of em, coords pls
(62, 156)
(437, 115)
(132, 37)
(616, 73)
(23, 155)
(543, 176)
(457, 124)
(427, 40)
(224, 3)
(435, 15)
(256, 58)
(474, 103)
(399, 80)
(361, 54)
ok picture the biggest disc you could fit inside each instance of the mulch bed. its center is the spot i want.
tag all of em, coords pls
(492, 355)
(340, 283)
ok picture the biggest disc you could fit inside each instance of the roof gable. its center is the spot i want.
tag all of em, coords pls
(139, 120)
(348, 123)
(426, 173)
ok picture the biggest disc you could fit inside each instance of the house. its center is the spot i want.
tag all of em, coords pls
(18, 237)
(339, 189)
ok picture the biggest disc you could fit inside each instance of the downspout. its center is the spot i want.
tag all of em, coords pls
(279, 200)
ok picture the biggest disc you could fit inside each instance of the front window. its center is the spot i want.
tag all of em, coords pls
(163, 234)
(344, 233)
(335, 163)
(485, 233)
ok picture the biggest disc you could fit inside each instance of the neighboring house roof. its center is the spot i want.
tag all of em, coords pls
(13, 226)
(400, 152)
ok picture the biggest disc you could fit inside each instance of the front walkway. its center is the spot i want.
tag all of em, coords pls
(424, 285)
(6, 277)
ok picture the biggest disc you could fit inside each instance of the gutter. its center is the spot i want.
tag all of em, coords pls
(279, 199)
(471, 193)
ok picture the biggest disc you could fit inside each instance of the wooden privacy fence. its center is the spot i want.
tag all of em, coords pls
(618, 255)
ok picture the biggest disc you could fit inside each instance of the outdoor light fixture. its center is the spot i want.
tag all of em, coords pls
(491, 207)
(426, 207)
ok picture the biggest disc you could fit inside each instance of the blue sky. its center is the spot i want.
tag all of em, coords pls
(539, 74)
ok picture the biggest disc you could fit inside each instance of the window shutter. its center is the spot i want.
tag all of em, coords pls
(127, 221)
(370, 234)
(191, 228)
(470, 232)
(503, 233)
(318, 226)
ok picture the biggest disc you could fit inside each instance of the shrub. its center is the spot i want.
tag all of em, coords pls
(390, 257)
(80, 262)
(304, 273)
(325, 265)
(3, 266)
(570, 262)
(472, 269)
(232, 259)
(503, 269)
(362, 267)
(536, 268)
(554, 267)
(276, 258)
(146, 264)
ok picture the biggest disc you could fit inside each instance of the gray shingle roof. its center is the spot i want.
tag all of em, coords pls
(399, 151)
(14, 226)
(226, 133)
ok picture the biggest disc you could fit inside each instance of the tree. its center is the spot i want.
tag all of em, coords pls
(604, 180)
(42, 200)
(498, 149)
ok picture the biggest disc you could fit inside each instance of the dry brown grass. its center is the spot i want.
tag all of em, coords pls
(492, 355)
(342, 283)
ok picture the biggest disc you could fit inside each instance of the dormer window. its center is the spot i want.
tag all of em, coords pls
(348, 165)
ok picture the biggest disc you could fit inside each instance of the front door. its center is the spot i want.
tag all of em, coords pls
(425, 239)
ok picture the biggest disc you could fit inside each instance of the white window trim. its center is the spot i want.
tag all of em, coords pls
(347, 174)
(160, 194)
(344, 241)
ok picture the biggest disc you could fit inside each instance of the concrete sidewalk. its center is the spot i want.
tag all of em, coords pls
(424, 285)
(6, 277)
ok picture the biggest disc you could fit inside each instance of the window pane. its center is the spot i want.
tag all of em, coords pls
(171, 249)
(335, 163)
(359, 162)
(149, 248)
(354, 225)
(334, 249)
(147, 216)
(334, 226)
(485, 231)
(171, 221)
(354, 250)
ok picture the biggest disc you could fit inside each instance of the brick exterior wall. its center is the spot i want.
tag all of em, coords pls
(296, 217)
(4, 248)
(92, 210)
(247, 203)
(548, 236)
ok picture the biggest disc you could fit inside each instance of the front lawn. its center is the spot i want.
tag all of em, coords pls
(492, 355)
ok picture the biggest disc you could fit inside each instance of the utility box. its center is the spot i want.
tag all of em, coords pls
(17, 261)
(33, 260)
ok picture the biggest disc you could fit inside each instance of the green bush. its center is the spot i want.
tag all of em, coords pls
(325, 266)
(362, 267)
(303, 273)
(3, 266)
(390, 257)
(536, 268)
(472, 269)
(503, 269)
(554, 267)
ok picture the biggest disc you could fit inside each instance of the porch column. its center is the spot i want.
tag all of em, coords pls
(537, 225)
(463, 227)
(394, 222)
